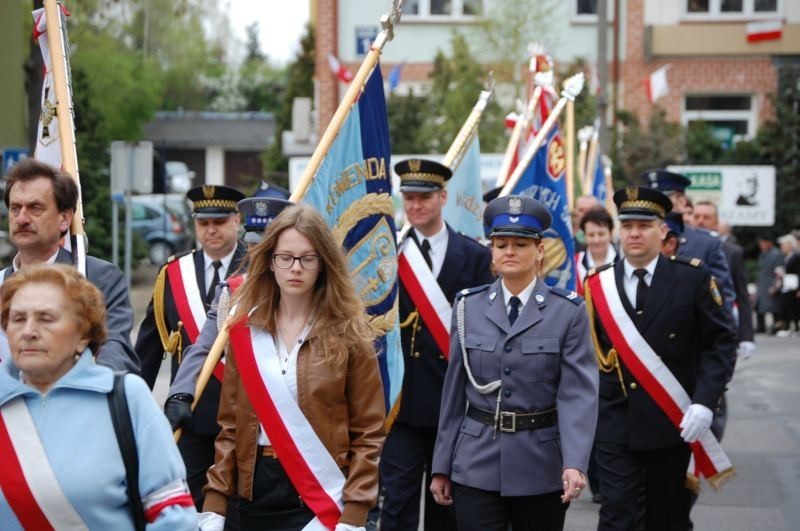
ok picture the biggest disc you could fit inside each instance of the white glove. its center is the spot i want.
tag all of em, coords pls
(211, 521)
(695, 422)
(347, 527)
(747, 349)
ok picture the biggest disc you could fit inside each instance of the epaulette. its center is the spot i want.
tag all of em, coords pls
(594, 270)
(568, 294)
(472, 291)
(686, 260)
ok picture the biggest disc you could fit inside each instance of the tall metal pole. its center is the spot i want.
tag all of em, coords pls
(602, 72)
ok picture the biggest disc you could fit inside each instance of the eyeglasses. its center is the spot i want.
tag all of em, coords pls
(286, 261)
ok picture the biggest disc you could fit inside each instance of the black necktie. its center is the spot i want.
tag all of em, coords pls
(641, 290)
(426, 253)
(214, 281)
(514, 302)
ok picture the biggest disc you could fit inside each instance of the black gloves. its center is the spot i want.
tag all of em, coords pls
(178, 410)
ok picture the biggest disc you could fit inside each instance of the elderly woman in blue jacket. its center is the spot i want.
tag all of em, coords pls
(62, 466)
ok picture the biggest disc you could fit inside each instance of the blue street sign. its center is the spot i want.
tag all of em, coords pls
(12, 156)
(365, 35)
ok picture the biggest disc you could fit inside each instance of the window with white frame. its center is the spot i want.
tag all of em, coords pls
(442, 9)
(730, 117)
(586, 11)
(732, 9)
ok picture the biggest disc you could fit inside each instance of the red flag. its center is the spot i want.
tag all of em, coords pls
(767, 30)
(341, 71)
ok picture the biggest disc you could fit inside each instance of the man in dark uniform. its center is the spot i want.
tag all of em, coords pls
(519, 403)
(695, 243)
(184, 288)
(446, 262)
(670, 333)
(41, 202)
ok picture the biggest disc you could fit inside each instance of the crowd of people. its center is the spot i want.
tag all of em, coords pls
(531, 397)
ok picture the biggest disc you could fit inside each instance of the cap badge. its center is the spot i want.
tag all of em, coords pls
(208, 191)
(492, 296)
(513, 219)
(653, 176)
(414, 165)
(632, 193)
(539, 298)
(262, 207)
(515, 206)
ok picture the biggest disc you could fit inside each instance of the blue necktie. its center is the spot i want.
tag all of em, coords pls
(514, 312)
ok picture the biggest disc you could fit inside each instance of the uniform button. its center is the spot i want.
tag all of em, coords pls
(508, 348)
(507, 394)
(479, 342)
(633, 385)
(416, 354)
(541, 346)
(507, 370)
(419, 328)
(672, 335)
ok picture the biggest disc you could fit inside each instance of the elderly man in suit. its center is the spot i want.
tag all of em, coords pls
(41, 202)
(443, 262)
(665, 349)
(519, 403)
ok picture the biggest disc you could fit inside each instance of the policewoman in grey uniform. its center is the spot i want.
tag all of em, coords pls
(519, 404)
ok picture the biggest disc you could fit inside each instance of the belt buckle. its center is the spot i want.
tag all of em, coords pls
(513, 416)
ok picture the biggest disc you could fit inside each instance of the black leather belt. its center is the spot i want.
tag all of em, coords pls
(510, 421)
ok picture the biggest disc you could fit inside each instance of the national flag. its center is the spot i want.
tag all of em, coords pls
(353, 190)
(764, 30)
(545, 180)
(656, 84)
(394, 76)
(341, 71)
(464, 208)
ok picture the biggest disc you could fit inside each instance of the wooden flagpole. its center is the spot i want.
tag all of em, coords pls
(516, 135)
(570, 147)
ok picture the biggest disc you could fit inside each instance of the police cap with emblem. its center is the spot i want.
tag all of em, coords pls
(665, 181)
(639, 202)
(214, 201)
(516, 215)
(258, 213)
(420, 175)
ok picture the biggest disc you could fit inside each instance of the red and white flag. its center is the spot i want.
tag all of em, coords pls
(48, 146)
(656, 85)
(764, 30)
(341, 71)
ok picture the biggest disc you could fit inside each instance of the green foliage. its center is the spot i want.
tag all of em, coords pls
(660, 144)
(457, 81)
(299, 83)
(407, 116)
(701, 146)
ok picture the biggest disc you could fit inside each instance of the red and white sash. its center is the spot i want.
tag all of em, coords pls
(425, 293)
(26, 478)
(305, 459)
(659, 382)
(182, 277)
(580, 272)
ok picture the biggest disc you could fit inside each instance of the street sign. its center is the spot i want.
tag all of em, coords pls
(131, 167)
(12, 156)
(365, 35)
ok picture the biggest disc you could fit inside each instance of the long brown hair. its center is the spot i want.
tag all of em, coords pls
(340, 324)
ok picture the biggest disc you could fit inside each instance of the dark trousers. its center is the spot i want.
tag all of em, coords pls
(405, 460)
(483, 510)
(624, 473)
(197, 451)
(276, 505)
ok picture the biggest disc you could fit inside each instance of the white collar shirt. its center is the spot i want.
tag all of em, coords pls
(209, 267)
(523, 295)
(631, 281)
(438, 244)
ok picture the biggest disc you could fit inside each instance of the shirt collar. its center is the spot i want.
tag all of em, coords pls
(437, 240)
(651, 267)
(49, 261)
(226, 262)
(523, 295)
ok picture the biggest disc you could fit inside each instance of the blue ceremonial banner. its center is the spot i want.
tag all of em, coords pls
(545, 180)
(599, 181)
(353, 191)
(464, 208)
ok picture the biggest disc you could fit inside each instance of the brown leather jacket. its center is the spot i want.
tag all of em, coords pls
(343, 404)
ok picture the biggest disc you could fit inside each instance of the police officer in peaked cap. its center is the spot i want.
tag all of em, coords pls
(519, 404)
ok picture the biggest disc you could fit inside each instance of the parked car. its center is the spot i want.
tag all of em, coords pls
(164, 223)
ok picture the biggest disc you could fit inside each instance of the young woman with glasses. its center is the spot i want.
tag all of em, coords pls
(301, 411)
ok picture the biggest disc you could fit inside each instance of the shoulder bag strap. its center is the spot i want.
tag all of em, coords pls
(123, 427)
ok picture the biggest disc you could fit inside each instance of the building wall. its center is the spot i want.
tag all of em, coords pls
(12, 80)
